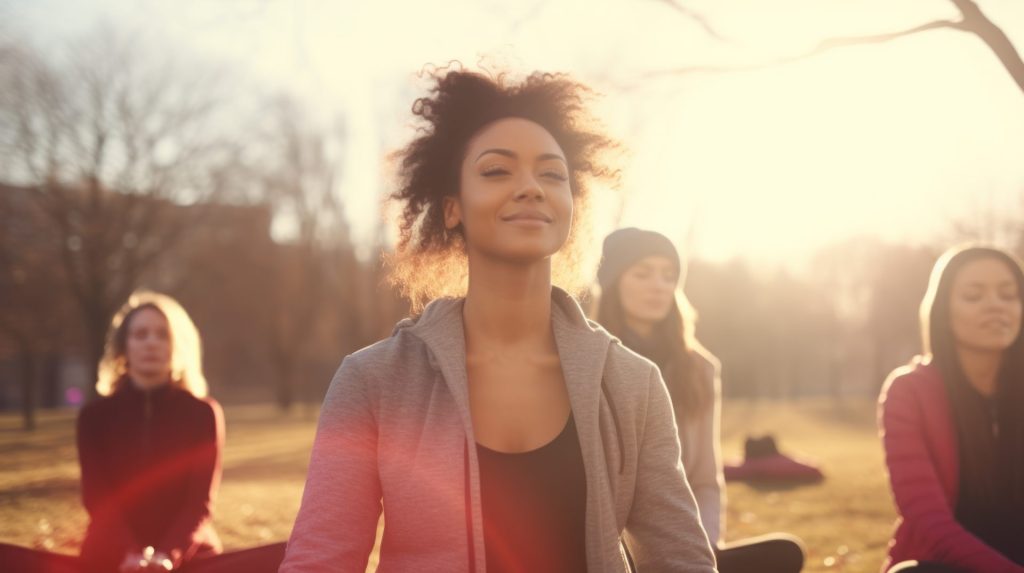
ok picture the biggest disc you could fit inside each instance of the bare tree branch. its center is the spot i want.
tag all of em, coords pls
(698, 18)
(822, 47)
(973, 21)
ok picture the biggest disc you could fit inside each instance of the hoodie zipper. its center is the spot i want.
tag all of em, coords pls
(469, 511)
(147, 425)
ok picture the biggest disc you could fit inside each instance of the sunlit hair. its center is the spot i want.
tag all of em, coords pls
(672, 338)
(186, 354)
(430, 260)
(977, 452)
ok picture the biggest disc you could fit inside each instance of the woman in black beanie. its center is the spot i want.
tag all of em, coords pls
(642, 305)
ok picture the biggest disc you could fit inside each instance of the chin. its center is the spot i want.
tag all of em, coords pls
(527, 253)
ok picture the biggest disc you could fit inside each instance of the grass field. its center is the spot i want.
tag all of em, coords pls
(845, 521)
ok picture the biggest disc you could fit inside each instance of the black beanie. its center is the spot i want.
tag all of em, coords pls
(624, 247)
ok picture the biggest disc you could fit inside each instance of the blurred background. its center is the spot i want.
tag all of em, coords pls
(810, 158)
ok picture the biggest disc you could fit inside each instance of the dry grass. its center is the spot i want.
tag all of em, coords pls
(844, 521)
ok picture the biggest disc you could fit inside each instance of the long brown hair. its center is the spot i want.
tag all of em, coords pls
(977, 451)
(673, 347)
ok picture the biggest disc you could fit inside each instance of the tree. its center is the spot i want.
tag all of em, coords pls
(315, 267)
(32, 307)
(110, 147)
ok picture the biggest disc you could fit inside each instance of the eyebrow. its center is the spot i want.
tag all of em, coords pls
(514, 155)
(979, 284)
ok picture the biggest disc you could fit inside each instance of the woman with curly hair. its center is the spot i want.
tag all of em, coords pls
(499, 429)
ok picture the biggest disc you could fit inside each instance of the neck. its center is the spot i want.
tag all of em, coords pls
(981, 368)
(147, 382)
(507, 305)
(641, 327)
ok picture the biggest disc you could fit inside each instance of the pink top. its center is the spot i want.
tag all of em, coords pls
(921, 454)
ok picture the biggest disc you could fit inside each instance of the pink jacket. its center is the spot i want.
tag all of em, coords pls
(921, 454)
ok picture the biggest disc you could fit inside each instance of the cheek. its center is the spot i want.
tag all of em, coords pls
(477, 208)
(565, 206)
(632, 307)
(961, 319)
(132, 346)
(627, 291)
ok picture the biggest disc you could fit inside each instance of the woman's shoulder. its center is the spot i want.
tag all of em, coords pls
(206, 404)
(99, 407)
(387, 354)
(707, 366)
(624, 362)
(910, 391)
(920, 376)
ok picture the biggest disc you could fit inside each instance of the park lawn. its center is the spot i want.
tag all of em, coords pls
(845, 521)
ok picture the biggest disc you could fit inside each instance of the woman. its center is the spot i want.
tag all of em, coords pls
(149, 450)
(952, 422)
(499, 430)
(642, 305)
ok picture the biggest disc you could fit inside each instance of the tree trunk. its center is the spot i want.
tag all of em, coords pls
(29, 376)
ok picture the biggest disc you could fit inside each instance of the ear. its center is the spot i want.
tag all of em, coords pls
(452, 212)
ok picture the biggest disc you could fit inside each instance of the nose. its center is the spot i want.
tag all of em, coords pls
(530, 189)
(995, 302)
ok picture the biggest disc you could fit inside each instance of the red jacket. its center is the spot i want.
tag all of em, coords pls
(920, 442)
(150, 469)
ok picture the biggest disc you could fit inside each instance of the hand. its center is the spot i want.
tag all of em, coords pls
(147, 560)
(160, 561)
(132, 562)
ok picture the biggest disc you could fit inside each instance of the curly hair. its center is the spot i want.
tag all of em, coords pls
(430, 260)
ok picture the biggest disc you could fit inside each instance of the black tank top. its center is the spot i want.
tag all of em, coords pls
(534, 507)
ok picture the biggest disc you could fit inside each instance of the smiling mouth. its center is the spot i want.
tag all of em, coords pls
(995, 324)
(536, 217)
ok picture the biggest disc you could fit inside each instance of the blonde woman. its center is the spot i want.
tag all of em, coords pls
(150, 450)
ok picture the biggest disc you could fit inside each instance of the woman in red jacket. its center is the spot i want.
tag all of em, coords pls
(150, 448)
(150, 451)
(953, 422)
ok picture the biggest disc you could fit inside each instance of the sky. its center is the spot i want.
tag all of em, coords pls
(896, 141)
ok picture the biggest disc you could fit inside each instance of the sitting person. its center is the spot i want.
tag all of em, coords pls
(642, 305)
(952, 423)
(150, 451)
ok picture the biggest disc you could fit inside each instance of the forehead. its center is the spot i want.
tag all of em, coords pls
(522, 136)
(147, 318)
(984, 271)
(657, 262)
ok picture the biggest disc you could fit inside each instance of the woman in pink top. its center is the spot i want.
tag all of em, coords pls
(953, 426)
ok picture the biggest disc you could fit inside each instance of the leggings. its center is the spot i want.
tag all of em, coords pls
(263, 559)
(773, 553)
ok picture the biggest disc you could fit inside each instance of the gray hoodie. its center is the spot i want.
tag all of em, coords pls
(395, 433)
